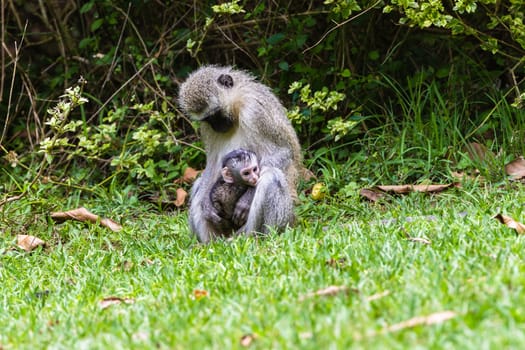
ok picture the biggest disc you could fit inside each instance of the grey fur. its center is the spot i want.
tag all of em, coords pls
(239, 112)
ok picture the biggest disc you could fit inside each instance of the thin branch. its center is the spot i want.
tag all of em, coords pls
(146, 65)
(113, 62)
(341, 24)
(2, 55)
(10, 98)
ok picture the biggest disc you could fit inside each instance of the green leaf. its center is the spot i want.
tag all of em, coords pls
(346, 73)
(85, 43)
(87, 7)
(374, 55)
(96, 24)
(276, 38)
(284, 65)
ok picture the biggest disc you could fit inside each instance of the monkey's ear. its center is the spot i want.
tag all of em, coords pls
(225, 80)
(227, 175)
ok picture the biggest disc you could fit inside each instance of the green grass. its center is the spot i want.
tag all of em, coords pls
(50, 298)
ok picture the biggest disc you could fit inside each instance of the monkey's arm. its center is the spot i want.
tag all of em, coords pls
(272, 204)
(199, 200)
(242, 208)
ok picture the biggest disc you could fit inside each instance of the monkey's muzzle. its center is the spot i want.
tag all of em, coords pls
(218, 121)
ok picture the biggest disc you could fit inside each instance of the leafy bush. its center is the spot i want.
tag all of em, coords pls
(439, 73)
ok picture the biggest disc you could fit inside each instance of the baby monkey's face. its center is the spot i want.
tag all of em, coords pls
(250, 174)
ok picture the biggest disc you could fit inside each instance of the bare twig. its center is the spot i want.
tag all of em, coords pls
(146, 65)
(113, 62)
(15, 63)
(2, 55)
(340, 25)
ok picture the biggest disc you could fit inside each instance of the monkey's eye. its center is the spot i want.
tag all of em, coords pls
(246, 173)
(255, 169)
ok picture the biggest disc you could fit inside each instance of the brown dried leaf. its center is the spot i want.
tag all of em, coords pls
(328, 291)
(463, 176)
(371, 195)
(181, 197)
(476, 151)
(189, 175)
(435, 318)
(413, 188)
(378, 295)
(107, 302)
(516, 168)
(341, 262)
(147, 261)
(248, 339)
(199, 294)
(140, 336)
(79, 214)
(511, 223)
(419, 240)
(112, 225)
(306, 174)
(84, 215)
(29, 243)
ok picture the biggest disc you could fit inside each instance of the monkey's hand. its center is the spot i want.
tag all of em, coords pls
(240, 214)
(220, 225)
(242, 208)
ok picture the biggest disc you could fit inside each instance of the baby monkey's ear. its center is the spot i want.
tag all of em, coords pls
(227, 175)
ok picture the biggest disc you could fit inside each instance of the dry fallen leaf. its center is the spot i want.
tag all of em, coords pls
(189, 175)
(341, 262)
(511, 223)
(516, 168)
(435, 318)
(378, 296)
(306, 335)
(306, 174)
(147, 261)
(84, 215)
(371, 195)
(199, 294)
(478, 152)
(463, 176)
(419, 240)
(248, 339)
(107, 302)
(328, 291)
(112, 225)
(413, 188)
(29, 243)
(140, 336)
(181, 197)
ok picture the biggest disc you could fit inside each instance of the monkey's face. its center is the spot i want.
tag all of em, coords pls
(219, 121)
(250, 175)
(203, 96)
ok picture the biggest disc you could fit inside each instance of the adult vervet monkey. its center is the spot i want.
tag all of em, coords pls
(236, 111)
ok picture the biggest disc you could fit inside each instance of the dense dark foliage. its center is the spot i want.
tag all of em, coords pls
(358, 65)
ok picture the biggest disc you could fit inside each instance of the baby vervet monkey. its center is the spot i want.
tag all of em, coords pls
(232, 194)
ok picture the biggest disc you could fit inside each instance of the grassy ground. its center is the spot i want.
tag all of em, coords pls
(182, 295)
